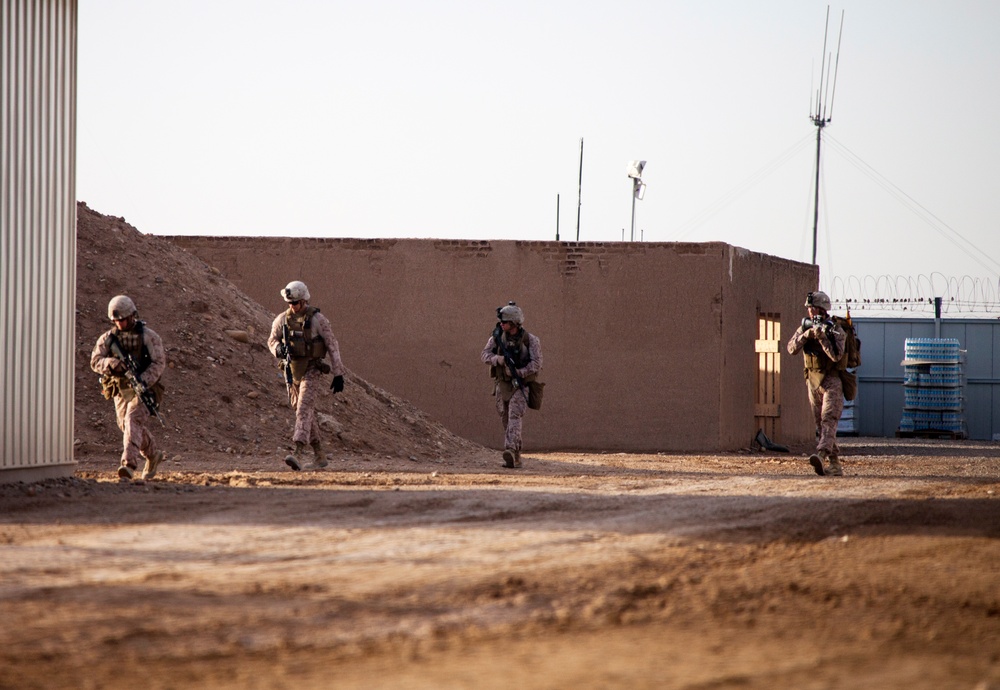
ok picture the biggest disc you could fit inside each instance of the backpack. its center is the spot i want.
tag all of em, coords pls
(852, 343)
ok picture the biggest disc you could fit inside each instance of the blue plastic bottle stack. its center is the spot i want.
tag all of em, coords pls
(932, 349)
(932, 378)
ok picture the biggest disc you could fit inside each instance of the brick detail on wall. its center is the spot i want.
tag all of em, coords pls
(473, 249)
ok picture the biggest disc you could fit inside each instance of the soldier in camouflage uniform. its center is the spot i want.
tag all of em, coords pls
(821, 341)
(144, 346)
(512, 402)
(303, 339)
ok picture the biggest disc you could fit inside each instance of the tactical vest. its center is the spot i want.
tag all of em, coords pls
(519, 350)
(817, 364)
(815, 359)
(307, 349)
(133, 344)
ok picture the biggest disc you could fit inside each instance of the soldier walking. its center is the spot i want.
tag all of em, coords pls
(510, 345)
(822, 343)
(128, 357)
(302, 338)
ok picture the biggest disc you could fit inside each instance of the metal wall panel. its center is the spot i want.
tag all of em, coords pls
(37, 236)
(880, 376)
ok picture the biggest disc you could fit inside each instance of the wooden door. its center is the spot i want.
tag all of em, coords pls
(767, 405)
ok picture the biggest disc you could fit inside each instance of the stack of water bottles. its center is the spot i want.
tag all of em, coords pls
(933, 399)
(932, 349)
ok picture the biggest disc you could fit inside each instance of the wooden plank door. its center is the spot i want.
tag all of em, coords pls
(767, 404)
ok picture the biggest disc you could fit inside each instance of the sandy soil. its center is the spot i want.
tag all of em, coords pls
(415, 561)
(580, 571)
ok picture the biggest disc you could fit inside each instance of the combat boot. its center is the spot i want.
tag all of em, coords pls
(508, 458)
(319, 460)
(833, 468)
(296, 459)
(816, 460)
(517, 459)
(125, 472)
(149, 471)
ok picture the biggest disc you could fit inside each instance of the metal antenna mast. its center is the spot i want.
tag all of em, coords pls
(819, 116)
(579, 193)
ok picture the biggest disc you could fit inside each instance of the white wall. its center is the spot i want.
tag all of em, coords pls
(37, 236)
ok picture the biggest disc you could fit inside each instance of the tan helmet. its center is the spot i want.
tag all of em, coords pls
(121, 307)
(512, 312)
(818, 299)
(295, 291)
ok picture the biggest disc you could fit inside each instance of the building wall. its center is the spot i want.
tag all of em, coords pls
(37, 236)
(646, 346)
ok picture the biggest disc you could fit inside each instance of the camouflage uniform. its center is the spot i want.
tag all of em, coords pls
(511, 403)
(823, 351)
(307, 386)
(131, 414)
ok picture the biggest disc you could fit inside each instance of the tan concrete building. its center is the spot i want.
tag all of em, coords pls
(647, 346)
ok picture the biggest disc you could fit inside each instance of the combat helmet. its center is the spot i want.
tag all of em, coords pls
(512, 312)
(820, 300)
(295, 291)
(121, 307)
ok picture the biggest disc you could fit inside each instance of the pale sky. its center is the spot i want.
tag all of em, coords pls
(463, 119)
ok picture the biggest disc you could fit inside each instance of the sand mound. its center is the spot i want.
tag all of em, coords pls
(224, 391)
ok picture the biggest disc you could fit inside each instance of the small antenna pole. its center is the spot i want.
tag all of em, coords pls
(557, 217)
(836, 66)
(579, 192)
(824, 96)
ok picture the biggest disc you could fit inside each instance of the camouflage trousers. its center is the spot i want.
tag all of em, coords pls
(303, 399)
(511, 411)
(132, 417)
(827, 403)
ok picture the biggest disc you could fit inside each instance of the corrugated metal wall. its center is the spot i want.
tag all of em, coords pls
(38, 241)
(879, 406)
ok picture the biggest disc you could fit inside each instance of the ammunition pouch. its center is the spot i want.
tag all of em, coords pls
(109, 386)
(535, 390)
(117, 387)
(301, 365)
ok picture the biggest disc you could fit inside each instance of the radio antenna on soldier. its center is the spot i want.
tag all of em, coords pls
(818, 110)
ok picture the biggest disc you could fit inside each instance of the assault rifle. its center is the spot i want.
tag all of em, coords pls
(285, 353)
(827, 325)
(508, 358)
(144, 392)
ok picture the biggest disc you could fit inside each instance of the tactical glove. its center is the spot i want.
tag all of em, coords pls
(338, 384)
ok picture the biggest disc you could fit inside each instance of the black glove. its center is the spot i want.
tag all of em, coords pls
(338, 384)
(279, 351)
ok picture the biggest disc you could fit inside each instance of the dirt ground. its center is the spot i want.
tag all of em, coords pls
(415, 561)
(580, 571)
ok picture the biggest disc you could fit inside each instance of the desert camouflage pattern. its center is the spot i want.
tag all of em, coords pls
(130, 414)
(826, 392)
(512, 403)
(320, 326)
(834, 350)
(304, 394)
(827, 403)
